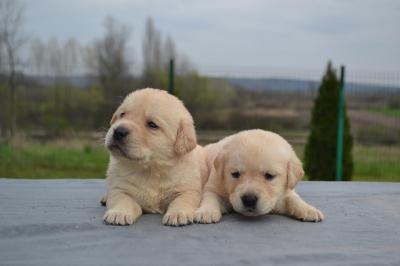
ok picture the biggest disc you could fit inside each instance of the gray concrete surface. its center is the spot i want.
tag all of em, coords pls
(59, 223)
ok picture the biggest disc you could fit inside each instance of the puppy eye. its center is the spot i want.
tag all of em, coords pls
(122, 114)
(268, 176)
(235, 174)
(152, 125)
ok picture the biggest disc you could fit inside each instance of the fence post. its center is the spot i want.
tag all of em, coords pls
(171, 76)
(340, 130)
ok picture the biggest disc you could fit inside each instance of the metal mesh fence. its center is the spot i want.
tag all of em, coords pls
(372, 100)
(280, 100)
(283, 100)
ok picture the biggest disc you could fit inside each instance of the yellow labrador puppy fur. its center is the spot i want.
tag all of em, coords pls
(155, 163)
(253, 172)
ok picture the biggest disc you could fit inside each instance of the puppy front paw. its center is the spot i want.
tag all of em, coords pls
(119, 217)
(204, 216)
(310, 214)
(177, 218)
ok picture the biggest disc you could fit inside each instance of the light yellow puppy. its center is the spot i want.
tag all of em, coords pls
(155, 164)
(254, 172)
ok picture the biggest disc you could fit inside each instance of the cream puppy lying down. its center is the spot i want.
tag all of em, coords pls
(254, 172)
(155, 164)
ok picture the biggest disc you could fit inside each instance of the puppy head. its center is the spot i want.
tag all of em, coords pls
(257, 168)
(150, 126)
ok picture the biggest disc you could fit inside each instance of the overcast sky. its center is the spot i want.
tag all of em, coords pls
(241, 37)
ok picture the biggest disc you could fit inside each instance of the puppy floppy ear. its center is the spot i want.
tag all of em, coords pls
(295, 171)
(113, 119)
(216, 179)
(219, 163)
(185, 137)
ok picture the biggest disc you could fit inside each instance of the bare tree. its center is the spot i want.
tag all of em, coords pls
(108, 59)
(3, 102)
(151, 47)
(157, 52)
(184, 65)
(37, 57)
(90, 60)
(1, 59)
(54, 58)
(71, 58)
(112, 56)
(12, 39)
(169, 52)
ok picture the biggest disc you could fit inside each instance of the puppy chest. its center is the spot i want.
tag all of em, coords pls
(149, 198)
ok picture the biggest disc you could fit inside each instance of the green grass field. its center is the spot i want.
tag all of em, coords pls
(33, 160)
(66, 160)
(373, 163)
(392, 112)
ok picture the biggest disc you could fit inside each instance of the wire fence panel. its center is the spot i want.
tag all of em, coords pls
(77, 109)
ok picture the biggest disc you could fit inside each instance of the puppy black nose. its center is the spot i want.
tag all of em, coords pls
(249, 200)
(120, 133)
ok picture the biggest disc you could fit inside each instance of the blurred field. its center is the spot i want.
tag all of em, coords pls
(88, 159)
(55, 95)
(394, 112)
(372, 163)
(52, 160)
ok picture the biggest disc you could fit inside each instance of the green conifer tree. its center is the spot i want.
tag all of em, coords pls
(320, 150)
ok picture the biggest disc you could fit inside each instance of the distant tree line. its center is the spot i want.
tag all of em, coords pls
(11, 41)
(39, 95)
